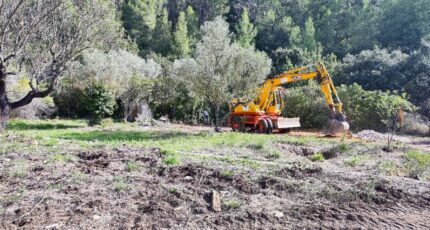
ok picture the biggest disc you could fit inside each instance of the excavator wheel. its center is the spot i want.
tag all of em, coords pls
(269, 126)
(236, 124)
(262, 126)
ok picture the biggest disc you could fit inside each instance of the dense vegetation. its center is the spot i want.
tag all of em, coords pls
(185, 56)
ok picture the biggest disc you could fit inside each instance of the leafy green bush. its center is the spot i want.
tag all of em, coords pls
(308, 103)
(99, 103)
(364, 109)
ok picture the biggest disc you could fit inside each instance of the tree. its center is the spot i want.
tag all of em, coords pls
(124, 75)
(162, 35)
(375, 69)
(182, 43)
(140, 19)
(41, 38)
(309, 41)
(246, 31)
(222, 70)
(193, 27)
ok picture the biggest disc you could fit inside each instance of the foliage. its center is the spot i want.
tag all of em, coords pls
(374, 69)
(317, 157)
(182, 43)
(245, 30)
(221, 70)
(364, 109)
(126, 76)
(99, 102)
(39, 39)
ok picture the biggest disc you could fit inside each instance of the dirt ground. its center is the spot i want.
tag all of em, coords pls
(100, 189)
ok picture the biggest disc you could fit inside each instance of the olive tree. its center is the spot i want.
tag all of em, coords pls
(221, 69)
(125, 75)
(40, 38)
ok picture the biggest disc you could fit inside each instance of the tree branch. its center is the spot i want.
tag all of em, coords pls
(27, 99)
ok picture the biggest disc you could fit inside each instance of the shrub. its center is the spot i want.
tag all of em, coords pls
(307, 102)
(99, 102)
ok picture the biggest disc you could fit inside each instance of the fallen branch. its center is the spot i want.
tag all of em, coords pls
(28, 213)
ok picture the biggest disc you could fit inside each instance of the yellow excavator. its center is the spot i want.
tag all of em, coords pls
(263, 113)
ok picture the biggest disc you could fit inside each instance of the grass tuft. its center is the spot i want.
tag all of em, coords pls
(172, 160)
(317, 157)
(132, 166)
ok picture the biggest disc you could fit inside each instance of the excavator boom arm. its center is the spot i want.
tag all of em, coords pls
(317, 71)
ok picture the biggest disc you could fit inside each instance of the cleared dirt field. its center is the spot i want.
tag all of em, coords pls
(64, 175)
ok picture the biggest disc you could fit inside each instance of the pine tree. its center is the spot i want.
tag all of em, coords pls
(309, 42)
(246, 31)
(182, 43)
(162, 37)
(193, 27)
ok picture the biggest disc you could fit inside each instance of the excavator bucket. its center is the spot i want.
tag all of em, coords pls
(288, 123)
(337, 127)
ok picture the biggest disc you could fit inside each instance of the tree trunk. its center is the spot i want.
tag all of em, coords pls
(217, 128)
(4, 105)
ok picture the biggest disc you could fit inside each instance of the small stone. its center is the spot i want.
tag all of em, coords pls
(216, 201)
(97, 217)
(278, 214)
(188, 178)
(34, 142)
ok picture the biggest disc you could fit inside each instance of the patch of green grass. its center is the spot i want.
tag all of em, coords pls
(418, 164)
(418, 158)
(61, 158)
(119, 184)
(132, 166)
(232, 204)
(354, 161)
(250, 163)
(317, 157)
(389, 168)
(274, 154)
(228, 174)
(343, 147)
(172, 160)
(20, 124)
(19, 168)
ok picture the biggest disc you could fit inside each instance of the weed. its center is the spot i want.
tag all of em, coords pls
(132, 166)
(19, 169)
(418, 158)
(61, 158)
(119, 184)
(354, 161)
(173, 190)
(257, 146)
(250, 163)
(172, 160)
(232, 204)
(228, 174)
(274, 154)
(389, 168)
(317, 157)
(417, 163)
(343, 147)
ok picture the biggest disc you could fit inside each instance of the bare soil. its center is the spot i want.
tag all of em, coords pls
(95, 189)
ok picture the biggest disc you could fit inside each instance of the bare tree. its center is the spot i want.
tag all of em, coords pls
(40, 38)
